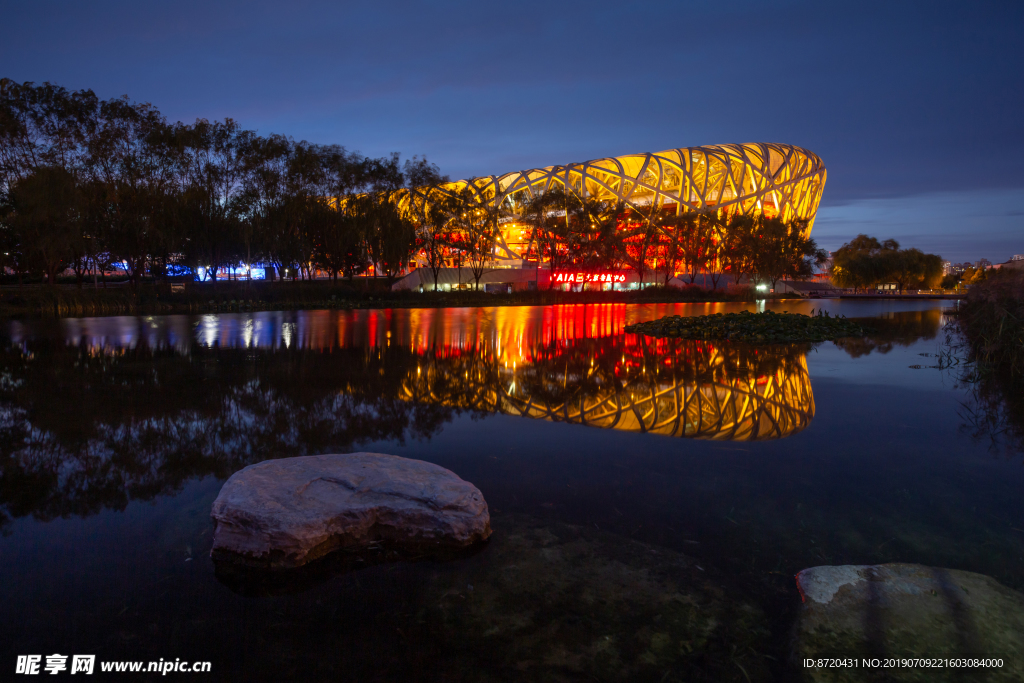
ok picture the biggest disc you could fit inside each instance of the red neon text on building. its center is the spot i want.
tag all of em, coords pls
(579, 277)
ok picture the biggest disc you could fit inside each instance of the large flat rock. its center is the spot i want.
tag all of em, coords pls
(907, 611)
(284, 513)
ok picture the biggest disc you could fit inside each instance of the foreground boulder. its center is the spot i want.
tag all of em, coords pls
(285, 513)
(906, 610)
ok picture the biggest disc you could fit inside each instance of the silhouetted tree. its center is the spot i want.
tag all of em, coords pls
(861, 261)
(696, 231)
(435, 231)
(544, 216)
(643, 230)
(45, 217)
(784, 250)
(476, 221)
(391, 234)
(864, 261)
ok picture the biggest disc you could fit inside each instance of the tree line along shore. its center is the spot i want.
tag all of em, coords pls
(92, 186)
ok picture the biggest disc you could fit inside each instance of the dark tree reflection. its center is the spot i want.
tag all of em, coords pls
(993, 407)
(81, 431)
(893, 330)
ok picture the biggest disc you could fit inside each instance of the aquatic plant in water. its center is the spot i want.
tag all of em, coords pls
(755, 328)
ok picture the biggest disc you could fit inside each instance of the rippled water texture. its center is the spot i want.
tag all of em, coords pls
(651, 499)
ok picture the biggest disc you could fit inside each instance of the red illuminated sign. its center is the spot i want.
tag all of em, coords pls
(580, 277)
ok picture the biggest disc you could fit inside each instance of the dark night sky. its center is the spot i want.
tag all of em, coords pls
(917, 109)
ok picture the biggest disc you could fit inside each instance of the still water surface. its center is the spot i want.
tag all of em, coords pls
(619, 470)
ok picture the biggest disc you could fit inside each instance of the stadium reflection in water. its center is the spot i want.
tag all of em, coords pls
(562, 363)
(673, 387)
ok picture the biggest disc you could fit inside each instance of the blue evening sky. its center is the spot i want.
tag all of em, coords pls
(916, 108)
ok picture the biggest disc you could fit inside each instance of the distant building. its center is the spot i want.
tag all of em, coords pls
(1018, 257)
(983, 263)
(947, 267)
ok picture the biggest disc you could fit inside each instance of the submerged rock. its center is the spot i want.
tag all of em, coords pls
(284, 513)
(558, 602)
(541, 601)
(906, 610)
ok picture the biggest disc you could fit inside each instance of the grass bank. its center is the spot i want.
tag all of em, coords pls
(71, 301)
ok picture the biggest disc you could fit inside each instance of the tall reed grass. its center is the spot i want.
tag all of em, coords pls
(992, 323)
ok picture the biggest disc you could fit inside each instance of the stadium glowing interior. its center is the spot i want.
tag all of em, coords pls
(770, 178)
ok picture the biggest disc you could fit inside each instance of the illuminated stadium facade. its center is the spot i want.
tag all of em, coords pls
(769, 178)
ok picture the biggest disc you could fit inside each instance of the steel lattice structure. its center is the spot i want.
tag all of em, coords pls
(736, 409)
(734, 406)
(781, 180)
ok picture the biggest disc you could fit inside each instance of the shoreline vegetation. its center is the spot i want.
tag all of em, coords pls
(69, 301)
(992, 321)
(991, 326)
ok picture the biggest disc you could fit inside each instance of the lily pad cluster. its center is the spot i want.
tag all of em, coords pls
(756, 328)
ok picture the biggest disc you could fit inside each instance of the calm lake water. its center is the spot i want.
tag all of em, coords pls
(651, 500)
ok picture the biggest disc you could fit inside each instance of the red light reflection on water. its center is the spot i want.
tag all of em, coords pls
(514, 333)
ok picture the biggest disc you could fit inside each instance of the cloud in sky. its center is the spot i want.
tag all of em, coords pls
(899, 99)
